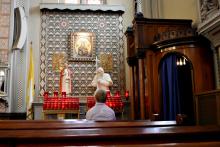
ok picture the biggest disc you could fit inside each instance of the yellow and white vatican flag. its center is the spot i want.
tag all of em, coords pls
(30, 86)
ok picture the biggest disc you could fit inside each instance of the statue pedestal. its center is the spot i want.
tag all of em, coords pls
(37, 109)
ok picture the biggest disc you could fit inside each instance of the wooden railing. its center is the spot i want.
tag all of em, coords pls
(84, 133)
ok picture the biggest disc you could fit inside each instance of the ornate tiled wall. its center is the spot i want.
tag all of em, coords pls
(56, 27)
(5, 10)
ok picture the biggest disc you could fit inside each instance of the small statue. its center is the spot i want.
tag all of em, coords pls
(65, 80)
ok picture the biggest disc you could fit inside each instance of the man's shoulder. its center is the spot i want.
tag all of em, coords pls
(109, 108)
(91, 110)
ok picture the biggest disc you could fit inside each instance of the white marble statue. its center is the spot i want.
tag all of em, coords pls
(102, 80)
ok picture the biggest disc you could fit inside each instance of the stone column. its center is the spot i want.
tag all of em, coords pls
(139, 6)
(139, 11)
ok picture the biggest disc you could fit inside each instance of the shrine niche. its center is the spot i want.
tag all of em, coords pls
(82, 46)
(98, 32)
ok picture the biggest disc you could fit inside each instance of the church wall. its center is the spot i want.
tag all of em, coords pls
(171, 9)
(151, 8)
(178, 9)
(128, 17)
(34, 35)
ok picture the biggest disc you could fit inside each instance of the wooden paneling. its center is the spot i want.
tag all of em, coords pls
(145, 29)
(208, 107)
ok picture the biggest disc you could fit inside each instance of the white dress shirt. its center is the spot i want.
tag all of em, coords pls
(100, 112)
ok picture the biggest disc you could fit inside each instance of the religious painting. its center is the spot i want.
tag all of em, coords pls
(58, 60)
(82, 45)
(106, 61)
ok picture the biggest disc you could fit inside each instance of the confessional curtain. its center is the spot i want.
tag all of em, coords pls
(170, 88)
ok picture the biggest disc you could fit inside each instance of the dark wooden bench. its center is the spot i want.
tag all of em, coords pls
(77, 124)
(82, 132)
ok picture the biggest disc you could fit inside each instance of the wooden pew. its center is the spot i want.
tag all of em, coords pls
(77, 124)
(82, 132)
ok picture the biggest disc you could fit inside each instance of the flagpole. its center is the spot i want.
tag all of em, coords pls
(30, 86)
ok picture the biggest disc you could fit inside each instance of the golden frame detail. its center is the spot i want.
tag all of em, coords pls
(82, 46)
(58, 60)
(106, 61)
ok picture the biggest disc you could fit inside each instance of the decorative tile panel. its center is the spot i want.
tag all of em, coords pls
(56, 27)
(20, 90)
(4, 20)
(5, 9)
(20, 3)
(3, 43)
(5, 1)
(4, 57)
(43, 53)
(4, 32)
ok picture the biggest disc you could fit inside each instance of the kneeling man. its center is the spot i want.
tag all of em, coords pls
(100, 111)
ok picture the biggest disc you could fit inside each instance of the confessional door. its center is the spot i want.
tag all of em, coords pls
(176, 87)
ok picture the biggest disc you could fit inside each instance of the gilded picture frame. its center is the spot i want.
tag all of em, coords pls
(82, 46)
(58, 60)
(106, 61)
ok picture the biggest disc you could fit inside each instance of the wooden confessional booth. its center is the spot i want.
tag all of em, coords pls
(168, 64)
